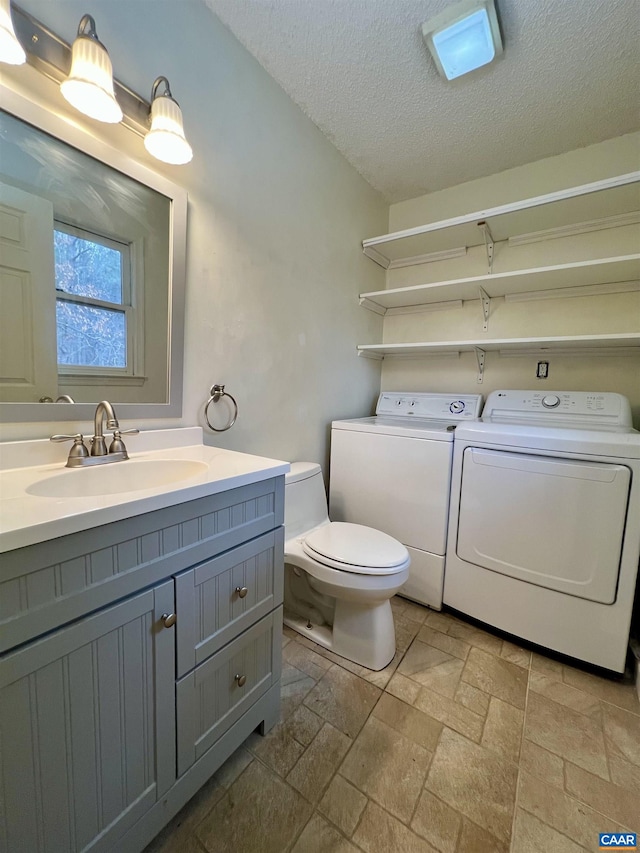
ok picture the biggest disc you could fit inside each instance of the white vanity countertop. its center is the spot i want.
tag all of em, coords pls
(29, 467)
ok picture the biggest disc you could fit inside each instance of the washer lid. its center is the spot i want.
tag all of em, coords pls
(356, 548)
(428, 428)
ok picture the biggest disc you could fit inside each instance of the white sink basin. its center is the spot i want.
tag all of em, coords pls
(114, 478)
(40, 499)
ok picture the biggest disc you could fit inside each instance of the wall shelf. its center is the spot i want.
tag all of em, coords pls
(593, 201)
(578, 274)
(623, 344)
(614, 202)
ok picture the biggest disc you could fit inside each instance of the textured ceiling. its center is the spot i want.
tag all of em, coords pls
(359, 69)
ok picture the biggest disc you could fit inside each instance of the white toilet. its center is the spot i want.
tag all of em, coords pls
(339, 577)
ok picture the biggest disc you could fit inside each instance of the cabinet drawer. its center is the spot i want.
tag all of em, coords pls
(214, 696)
(211, 601)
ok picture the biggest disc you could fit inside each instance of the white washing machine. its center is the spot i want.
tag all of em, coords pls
(393, 472)
(544, 530)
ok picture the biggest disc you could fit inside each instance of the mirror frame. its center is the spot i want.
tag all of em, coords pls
(63, 129)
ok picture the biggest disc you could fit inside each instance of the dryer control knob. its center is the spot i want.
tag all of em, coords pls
(551, 402)
(457, 407)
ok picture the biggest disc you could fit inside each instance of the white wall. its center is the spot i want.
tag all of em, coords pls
(276, 216)
(619, 312)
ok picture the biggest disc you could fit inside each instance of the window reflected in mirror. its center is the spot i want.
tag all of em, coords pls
(93, 300)
(85, 303)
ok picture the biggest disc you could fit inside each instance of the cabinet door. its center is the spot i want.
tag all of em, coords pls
(87, 726)
(218, 692)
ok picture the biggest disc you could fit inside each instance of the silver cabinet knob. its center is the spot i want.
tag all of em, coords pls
(241, 680)
(242, 591)
(168, 619)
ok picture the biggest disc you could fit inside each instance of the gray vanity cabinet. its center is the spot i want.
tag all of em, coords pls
(86, 726)
(111, 715)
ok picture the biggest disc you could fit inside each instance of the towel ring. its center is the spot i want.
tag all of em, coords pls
(217, 392)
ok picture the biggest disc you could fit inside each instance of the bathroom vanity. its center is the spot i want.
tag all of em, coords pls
(140, 635)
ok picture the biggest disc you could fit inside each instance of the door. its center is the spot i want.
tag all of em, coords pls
(87, 729)
(28, 358)
(396, 484)
(556, 523)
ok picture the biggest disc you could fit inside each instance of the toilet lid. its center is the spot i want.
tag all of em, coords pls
(355, 548)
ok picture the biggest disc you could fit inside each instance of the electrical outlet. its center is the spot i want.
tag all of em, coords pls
(542, 370)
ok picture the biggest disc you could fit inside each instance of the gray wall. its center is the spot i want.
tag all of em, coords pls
(276, 216)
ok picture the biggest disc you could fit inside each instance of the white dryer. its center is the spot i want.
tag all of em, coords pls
(544, 529)
(393, 472)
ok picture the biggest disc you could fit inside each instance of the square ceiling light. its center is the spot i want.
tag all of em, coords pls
(464, 37)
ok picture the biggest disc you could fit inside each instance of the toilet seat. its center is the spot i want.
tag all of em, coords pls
(356, 548)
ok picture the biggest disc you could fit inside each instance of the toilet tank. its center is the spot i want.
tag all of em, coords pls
(305, 500)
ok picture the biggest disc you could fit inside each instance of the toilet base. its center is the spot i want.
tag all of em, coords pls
(322, 635)
(364, 634)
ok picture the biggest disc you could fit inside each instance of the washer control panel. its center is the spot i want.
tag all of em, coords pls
(451, 407)
(558, 408)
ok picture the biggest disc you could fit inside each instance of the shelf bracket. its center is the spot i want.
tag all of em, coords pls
(488, 243)
(480, 359)
(372, 306)
(485, 301)
(375, 356)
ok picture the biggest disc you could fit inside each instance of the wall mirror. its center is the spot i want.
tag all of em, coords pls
(92, 268)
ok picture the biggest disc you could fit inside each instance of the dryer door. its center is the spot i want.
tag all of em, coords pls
(553, 522)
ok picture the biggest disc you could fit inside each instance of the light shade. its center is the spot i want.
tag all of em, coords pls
(464, 37)
(166, 140)
(89, 86)
(11, 50)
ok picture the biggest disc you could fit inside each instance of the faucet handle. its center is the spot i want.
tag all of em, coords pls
(79, 449)
(117, 445)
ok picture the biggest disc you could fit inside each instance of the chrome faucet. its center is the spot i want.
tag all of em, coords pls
(79, 455)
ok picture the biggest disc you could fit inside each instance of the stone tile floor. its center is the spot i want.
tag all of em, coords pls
(465, 743)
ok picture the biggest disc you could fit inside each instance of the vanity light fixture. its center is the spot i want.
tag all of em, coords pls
(464, 37)
(166, 140)
(89, 86)
(11, 50)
